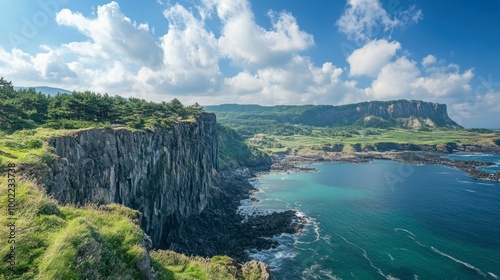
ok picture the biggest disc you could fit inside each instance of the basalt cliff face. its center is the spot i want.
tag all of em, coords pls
(188, 203)
(413, 113)
(165, 174)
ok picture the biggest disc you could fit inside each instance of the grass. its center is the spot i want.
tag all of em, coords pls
(27, 146)
(370, 137)
(30, 145)
(64, 242)
(105, 242)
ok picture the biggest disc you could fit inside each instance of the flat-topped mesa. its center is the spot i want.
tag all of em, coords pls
(409, 113)
(402, 113)
(165, 174)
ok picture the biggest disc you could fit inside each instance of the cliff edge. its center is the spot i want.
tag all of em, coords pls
(165, 174)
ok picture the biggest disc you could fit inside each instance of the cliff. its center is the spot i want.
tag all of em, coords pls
(371, 114)
(408, 113)
(188, 203)
(165, 174)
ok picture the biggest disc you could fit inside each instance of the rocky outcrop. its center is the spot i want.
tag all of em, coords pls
(412, 113)
(165, 174)
(188, 202)
(221, 230)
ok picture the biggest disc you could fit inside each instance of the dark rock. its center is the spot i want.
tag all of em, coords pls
(172, 177)
(165, 174)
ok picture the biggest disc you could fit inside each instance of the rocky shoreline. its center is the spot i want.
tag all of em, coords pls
(286, 163)
(221, 230)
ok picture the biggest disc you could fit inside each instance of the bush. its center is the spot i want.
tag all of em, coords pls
(33, 144)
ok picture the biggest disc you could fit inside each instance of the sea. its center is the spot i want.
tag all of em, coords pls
(384, 220)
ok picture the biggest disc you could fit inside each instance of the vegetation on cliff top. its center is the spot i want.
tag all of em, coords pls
(106, 242)
(27, 109)
(28, 118)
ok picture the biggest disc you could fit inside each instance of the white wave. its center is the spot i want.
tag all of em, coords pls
(306, 249)
(463, 182)
(300, 214)
(484, 184)
(274, 256)
(405, 230)
(473, 155)
(458, 261)
(327, 239)
(391, 257)
(315, 271)
(316, 231)
(365, 255)
(468, 265)
(285, 255)
(493, 275)
(471, 191)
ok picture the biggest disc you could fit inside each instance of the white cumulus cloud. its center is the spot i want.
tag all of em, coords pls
(428, 60)
(364, 20)
(370, 59)
(115, 36)
(249, 45)
(269, 65)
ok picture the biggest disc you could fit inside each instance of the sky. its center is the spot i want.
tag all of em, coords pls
(262, 52)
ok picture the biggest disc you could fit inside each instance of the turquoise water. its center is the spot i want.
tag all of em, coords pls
(384, 220)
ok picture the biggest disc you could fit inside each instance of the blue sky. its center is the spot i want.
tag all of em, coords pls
(264, 52)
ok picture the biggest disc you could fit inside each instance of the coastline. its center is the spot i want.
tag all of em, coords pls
(222, 230)
(294, 163)
(286, 257)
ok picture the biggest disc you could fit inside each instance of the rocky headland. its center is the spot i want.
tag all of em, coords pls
(296, 163)
(188, 202)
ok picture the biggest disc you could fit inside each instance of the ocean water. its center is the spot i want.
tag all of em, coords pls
(384, 220)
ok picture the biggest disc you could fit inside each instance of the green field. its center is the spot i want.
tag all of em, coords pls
(318, 141)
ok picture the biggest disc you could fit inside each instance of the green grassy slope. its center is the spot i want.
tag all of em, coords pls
(106, 242)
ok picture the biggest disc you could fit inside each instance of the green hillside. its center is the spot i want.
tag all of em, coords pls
(51, 241)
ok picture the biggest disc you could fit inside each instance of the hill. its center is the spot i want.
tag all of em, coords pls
(397, 113)
(46, 90)
(403, 113)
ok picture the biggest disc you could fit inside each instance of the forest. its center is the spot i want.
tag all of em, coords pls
(28, 109)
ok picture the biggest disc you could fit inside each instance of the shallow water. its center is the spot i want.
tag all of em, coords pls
(384, 220)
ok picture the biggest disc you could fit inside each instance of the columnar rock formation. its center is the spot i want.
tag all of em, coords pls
(165, 174)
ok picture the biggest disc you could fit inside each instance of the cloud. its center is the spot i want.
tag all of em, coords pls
(445, 83)
(299, 81)
(428, 60)
(403, 79)
(370, 59)
(123, 57)
(474, 109)
(191, 56)
(115, 35)
(249, 45)
(364, 20)
(395, 80)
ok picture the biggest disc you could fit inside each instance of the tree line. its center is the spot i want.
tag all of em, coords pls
(27, 109)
